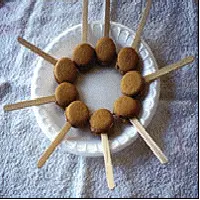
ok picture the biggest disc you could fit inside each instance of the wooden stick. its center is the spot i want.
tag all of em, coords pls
(168, 69)
(107, 161)
(107, 18)
(53, 145)
(85, 21)
(28, 103)
(141, 25)
(147, 138)
(38, 51)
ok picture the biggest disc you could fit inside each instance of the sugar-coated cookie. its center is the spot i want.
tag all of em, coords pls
(126, 107)
(127, 60)
(83, 55)
(132, 83)
(65, 71)
(77, 114)
(65, 93)
(105, 51)
(101, 121)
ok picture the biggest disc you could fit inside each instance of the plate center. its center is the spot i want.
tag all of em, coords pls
(99, 87)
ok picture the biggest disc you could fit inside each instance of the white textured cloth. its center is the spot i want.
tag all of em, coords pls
(171, 33)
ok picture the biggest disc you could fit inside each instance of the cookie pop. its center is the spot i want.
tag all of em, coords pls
(77, 115)
(64, 69)
(100, 122)
(84, 54)
(65, 93)
(133, 82)
(128, 57)
(129, 108)
(105, 47)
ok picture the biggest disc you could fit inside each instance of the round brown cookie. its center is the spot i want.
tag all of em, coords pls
(105, 51)
(101, 121)
(132, 83)
(127, 60)
(83, 55)
(65, 71)
(65, 93)
(126, 107)
(77, 114)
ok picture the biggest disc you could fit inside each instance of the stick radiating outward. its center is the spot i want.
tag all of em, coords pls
(149, 141)
(107, 18)
(133, 83)
(129, 108)
(85, 21)
(28, 103)
(128, 57)
(107, 161)
(168, 69)
(65, 93)
(64, 69)
(84, 54)
(101, 121)
(142, 23)
(77, 115)
(37, 50)
(53, 145)
(105, 46)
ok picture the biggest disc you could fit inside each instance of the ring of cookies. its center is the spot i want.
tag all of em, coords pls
(133, 85)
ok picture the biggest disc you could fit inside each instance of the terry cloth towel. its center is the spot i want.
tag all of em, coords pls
(171, 33)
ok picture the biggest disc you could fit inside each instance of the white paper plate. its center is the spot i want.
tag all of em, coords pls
(98, 89)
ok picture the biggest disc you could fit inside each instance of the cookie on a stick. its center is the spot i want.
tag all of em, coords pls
(105, 47)
(77, 115)
(128, 57)
(101, 122)
(133, 82)
(64, 68)
(84, 54)
(65, 93)
(129, 108)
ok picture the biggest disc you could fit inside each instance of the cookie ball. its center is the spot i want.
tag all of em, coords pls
(65, 93)
(127, 60)
(77, 114)
(83, 55)
(101, 121)
(65, 71)
(132, 83)
(126, 107)
(105, 51)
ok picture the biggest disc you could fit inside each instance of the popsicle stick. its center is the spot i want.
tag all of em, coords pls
(168, 69)
(53, 145)
(147, 138)
(28, 103)
(107, 18)
(141, 25)
(85, 21)
(107, 161)
(38, 51)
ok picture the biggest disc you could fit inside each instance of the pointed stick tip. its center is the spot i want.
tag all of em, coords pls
(190, 58)
(39, 164)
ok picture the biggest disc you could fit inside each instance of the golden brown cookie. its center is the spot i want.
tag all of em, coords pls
(65, 93)
(77, 114)
(83, 55)
(127, 60)
(105, 51)
(132, 83)
(101, 121)
(65, 71)
(126, 107)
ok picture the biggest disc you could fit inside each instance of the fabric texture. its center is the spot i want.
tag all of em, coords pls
(171, 33)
